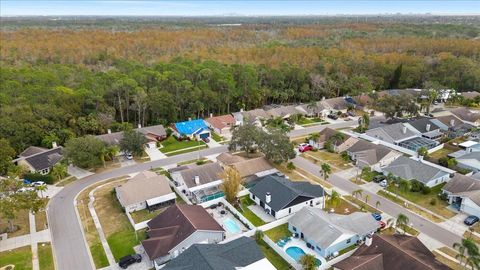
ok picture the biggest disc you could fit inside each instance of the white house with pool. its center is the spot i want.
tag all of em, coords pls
(280, 197)
(326, 233)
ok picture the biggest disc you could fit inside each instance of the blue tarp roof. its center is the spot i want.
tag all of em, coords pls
(190, 127)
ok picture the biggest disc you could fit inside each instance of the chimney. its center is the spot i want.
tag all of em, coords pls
(197, 180)
(268, 197)
(427, 127)
(54, 145)
(404, 130)
(241, 110)
(109, 131)
(211, 115)
(139, 125)
(452, 122)
(368, 241)
(323, 98)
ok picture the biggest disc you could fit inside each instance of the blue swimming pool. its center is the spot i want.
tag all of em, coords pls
(231, 226)
(296, 253)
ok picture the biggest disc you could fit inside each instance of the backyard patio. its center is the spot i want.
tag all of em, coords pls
(296, 248)
(227, 220)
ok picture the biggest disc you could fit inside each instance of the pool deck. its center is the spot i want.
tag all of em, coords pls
(220, 218)
(303, 245)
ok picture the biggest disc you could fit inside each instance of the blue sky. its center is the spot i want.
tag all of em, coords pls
(206, 8)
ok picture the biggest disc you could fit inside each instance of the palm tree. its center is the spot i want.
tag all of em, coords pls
(334, 199)
(357, 193)
(377, 204)
(468, 251)
(402, 222)
(59, 171)
(258, 235)
(337, 137)
(308, 262)
(326, 170)
(41, 188)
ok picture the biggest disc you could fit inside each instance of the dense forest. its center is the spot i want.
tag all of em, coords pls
(70, 78)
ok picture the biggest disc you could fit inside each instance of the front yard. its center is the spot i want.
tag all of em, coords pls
(216, 137)
(20, 223)
(20, 258)
(430, 201)
(245, 201)
(334, 159)
(342, 207)
(310, 121)
(45, 256)
(172, 144)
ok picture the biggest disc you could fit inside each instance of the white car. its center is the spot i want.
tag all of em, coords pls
(38, 183)
(25, 189)
(383, 183)
(129, 156)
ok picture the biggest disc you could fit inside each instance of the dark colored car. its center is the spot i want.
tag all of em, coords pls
(377, 216)
(333, 116)
(350, 113)
(379, 178)
(128, 260)
(470, 220)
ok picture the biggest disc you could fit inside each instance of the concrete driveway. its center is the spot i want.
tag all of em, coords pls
(154, 154)
(79, 173)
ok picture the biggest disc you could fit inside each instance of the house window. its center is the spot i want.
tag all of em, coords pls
(289, 210)
(294, 229)
(319, 249)
(253, 196)
(349, 240)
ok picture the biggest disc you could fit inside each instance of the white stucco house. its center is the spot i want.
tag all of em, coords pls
(464, 194)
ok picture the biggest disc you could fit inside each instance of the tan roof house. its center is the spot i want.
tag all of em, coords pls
(467, 116)
(221, 124)
(327, 133)
(145, 190)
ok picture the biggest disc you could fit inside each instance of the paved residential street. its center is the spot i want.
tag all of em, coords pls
(427, 227)
(68, 242)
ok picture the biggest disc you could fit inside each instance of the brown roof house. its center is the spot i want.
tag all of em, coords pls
(176, 229)
(145, 190)
(467, 116)
(464, 194)
(249, 169)
(151, 133)
(372, 155)
(391, 252)
(470, 94)
(38, 159)
(338, 145)
(221, 124)
(199, 183)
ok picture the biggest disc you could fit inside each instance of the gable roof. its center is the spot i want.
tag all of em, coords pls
(283, 191)
(368, 152)
(45, 159)
(206, 173)
(465, 114)
(470, 94)
(116, 137)
(326, 228)
(396, 132)
(252, 166)
(448, 120)
(327, 133)
(174, 225)
(143, 186)
(221, 121)
(410, 169)
(282, 111)
(32, 150)
(471, 159)
(227, 158)
(420, 124)
(235, 254)
(386, 251)
(252, 115)
(190, 127)
(338, 103)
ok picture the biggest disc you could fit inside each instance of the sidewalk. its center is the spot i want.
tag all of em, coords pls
(33, 230)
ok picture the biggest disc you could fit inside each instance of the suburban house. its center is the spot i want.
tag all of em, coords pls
(425, 128)
(242, 253)
(338, 146)
(255, 116)
(452, 126)
(411, 169)
(176, 229)
(464, 194)
(338, 104)
(329, 233)
(200, 183)
(153, 134)
(470, 94)
(221, 124)
(38, 159)
(367, 154)
(249, 169)
(394, 133)
(145, 190)
(281, 111)
(391, 252)
(281, 197)
(194, 129)
(469, 157)
(227, 158)
(467, 116)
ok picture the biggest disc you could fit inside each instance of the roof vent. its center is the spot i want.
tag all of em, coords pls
(268, 197)
(197, 180)
(452, 122)
(427, 127)
(404, 130)
(109, 131)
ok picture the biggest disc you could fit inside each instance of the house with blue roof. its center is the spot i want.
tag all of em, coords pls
(195, 129)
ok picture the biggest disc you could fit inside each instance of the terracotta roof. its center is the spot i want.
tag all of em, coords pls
(392, 252)
(221, 121)
(144, 186)
(174, 225)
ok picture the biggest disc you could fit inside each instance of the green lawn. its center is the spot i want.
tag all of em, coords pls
(425, 200)
(368, 175)
(361, 202)
(171, 144)
(273, 257)
(45, 256)
(309, 121)
(245, 201)
(334, 159)
(342, 207)
(121, 243)
(440, 153)
(21, 258)
(278, 233)
(98, 255)
(186, 150)
(217, 137)
(142, 215)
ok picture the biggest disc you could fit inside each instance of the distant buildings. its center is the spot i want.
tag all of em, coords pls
(153, 134)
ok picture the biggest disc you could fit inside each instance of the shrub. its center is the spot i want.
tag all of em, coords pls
(33, 177)
(291, 166)
(416, 186)
(443, 161)
(169, 132)
(426, 190)
(433, 201)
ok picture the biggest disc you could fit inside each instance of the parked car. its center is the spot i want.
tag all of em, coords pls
(383, 183)
(379, 178)
(304, 147)
(428, 114)
(206, 140)
(129, 156)
(377, 216)
(38, 184)
(470, 220)
(128, 260)
(382, 225)
(333, 116)
(351, 113)
(25, 189)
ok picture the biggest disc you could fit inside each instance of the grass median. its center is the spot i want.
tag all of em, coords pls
(45, 256)
(20, 258)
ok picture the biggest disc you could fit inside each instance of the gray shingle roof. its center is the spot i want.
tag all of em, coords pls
(396, 132)
(410, 169)
(369, 152)
(465, 114)
(283, 191)
(206, 173)
(115, 137)
(420, 124)
(229, 256)
(45, 159)
(324, 228)
(32, 150)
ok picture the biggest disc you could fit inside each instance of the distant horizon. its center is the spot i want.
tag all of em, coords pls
(150, 8)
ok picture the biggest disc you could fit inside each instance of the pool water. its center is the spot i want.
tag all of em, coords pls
(231, 226)
(296, 253)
